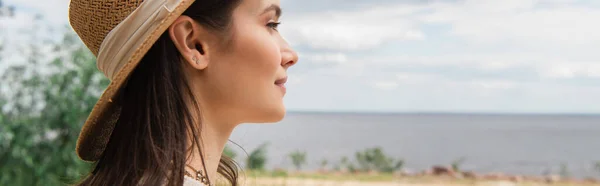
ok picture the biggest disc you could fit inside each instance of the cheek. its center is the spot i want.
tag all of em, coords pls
(250, 68)
(258, 52)
(257, 56)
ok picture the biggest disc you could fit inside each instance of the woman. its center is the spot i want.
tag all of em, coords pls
(183, 74)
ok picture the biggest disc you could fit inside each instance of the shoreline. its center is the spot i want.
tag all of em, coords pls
(434, 177)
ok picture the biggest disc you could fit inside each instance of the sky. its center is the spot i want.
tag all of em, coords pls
(491, 56)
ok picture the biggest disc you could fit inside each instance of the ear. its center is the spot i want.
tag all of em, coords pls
(191, 39)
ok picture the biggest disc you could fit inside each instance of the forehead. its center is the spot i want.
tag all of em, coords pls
(257, 6)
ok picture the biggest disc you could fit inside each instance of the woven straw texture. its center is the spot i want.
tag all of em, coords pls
(92, 20)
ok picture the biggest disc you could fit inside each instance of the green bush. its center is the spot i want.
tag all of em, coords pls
(298, 159)
(324, 163)
(257, 158)
(457, 163)
(374, 159)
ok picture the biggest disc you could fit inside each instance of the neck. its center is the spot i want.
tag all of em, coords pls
(213, 137)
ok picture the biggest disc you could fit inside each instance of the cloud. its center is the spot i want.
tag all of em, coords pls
(571, 70)
(351, 31)
(494, 84)
(53, 11)
(517, 66)
(336, 58)
(528, 22)
(311, 6)
(412, 78)
(532, 23)
(385, 85)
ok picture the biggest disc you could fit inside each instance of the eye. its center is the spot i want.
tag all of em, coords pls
(273, 25)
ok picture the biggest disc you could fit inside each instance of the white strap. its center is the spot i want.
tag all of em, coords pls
(120, 43)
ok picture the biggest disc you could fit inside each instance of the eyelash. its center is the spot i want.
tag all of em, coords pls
(273, 25)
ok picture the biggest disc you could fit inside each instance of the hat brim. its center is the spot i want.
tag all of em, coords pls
(97, 129)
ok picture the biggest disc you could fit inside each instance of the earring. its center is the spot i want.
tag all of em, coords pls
(195, 60)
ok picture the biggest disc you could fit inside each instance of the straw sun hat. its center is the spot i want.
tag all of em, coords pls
(119, 33)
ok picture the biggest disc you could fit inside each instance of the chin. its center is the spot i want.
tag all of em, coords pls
(270, 115)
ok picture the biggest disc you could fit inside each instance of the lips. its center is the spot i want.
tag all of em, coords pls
(281, 81)
(281, 84)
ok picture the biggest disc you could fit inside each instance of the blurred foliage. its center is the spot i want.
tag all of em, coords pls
(343, 163)
(324, 163)
(374, 159)
(596, 166)
(279, 173)
(257, 158)
(298, 159)
(45, 100)
(457, 163)
(229, 152)
(564, 170)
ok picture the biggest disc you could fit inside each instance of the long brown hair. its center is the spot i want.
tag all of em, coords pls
(150, 141)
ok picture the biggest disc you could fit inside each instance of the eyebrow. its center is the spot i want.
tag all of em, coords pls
(275, 8)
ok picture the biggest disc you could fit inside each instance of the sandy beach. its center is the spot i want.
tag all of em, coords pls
(409, 181)
(315, 182)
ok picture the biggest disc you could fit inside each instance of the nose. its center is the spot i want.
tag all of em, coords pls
(289, 57)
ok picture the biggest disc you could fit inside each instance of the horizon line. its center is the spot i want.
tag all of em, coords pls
(441, 112)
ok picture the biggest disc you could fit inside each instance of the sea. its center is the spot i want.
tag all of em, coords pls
(523, 144)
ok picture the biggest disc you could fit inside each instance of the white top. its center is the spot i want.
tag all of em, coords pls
(187, 181)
